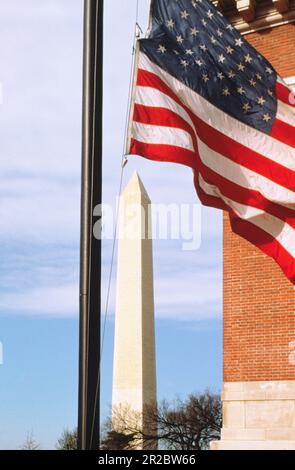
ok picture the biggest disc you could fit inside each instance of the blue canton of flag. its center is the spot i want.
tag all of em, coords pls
(193, 42)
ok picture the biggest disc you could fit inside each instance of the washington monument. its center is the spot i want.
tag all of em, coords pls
(134, 376)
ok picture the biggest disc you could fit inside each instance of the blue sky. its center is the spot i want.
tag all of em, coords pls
(40, 122)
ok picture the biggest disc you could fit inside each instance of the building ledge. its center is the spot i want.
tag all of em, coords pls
(249, 16)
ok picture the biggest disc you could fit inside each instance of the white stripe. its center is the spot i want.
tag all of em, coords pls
(155, 98)
(275, 227)
(244, 177)
(286, 113)
(290, 81)
(162, 135)
(287, 82)
(219, 120)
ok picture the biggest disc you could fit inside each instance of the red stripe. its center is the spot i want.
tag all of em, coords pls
(251, 197)
(209, 201)
(146, 78)
(247, 197)
(162, 117)
(163, 153)
(285, 94)
(159, 153)
(283, 132)
(266, 243)
(223, 144)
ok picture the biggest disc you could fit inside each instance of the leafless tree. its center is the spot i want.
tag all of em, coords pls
(183, 425)
(115, 440)
(30, 443)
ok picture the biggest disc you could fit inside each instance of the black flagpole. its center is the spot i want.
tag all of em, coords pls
(90, 262)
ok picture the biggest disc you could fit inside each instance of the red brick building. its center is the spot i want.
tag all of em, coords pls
(259, 302)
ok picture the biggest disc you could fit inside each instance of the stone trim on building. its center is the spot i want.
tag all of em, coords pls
(258, 415)
(249, 16)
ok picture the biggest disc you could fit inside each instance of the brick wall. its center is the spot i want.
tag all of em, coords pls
(259, 302)
(277, 45)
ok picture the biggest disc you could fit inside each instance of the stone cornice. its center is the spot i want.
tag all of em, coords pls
(254, 15)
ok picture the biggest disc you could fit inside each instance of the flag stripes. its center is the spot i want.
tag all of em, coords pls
(237, 168)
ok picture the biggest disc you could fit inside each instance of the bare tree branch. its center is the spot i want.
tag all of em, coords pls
(184, 425)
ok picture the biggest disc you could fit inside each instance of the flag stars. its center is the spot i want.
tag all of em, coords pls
(184, 15)
(209, 53)
(194, 31)
(246, 107)
(261, 100)
(170, 23)
(184, 63)
(226, 92)
(241, 90)
(239, 42)
(162, 49)
(241, 67)
(231, 74)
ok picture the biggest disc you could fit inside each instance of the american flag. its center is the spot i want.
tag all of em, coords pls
(204, 97)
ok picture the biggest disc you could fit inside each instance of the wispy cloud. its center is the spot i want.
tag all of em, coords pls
(189, 297)
(39, 209)
(40, 169)
(53, 301)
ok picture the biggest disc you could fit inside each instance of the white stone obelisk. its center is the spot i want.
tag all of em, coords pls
(134, 375)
